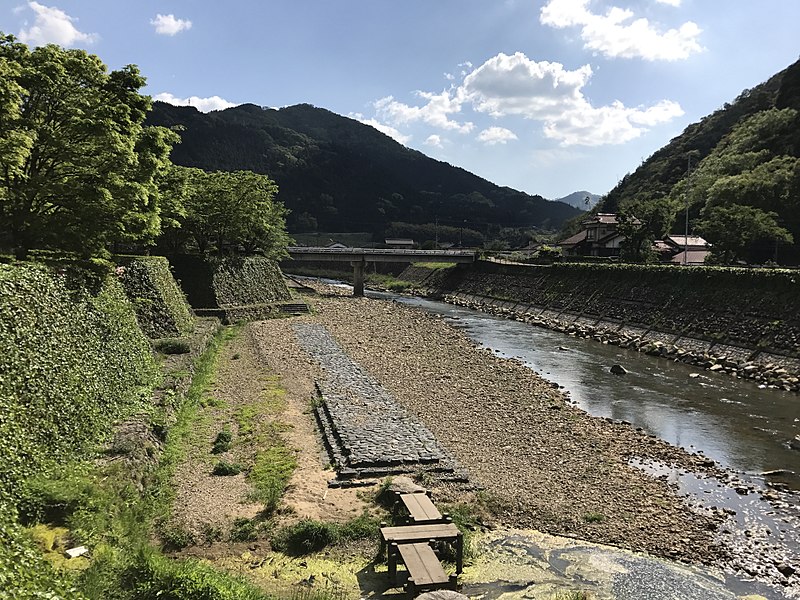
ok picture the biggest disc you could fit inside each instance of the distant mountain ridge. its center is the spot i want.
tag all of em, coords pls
(578, 200)
(338, 174)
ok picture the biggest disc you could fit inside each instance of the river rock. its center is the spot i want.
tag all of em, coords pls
(794, 443)
(404, 485)
(618, 370)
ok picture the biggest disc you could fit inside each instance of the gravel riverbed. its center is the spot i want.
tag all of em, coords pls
(544, 464)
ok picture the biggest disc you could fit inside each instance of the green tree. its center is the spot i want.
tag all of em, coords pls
(77, 166)
(734, 230)
(235, 209)
(642, 222)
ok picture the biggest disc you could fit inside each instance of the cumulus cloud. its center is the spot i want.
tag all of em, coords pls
(496, 135)
(169, 25)
(434, 140)
(675, 3)
(617, 34)
(545, 92)
(52, 25)
(201, 104)
(434, 112)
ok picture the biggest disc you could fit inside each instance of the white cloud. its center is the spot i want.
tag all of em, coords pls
(496, 135)
(201, 104)
(547, 92)
(53, 26)
(675, 3)
(543, 91)
(169, 25)
(434, 140)
(435, 112)
(385, 129)
(617, 34)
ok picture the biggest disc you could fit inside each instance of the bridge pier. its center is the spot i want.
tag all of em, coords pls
(358, 277)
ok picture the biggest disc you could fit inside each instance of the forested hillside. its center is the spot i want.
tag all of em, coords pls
(337, 174)
(744, 188)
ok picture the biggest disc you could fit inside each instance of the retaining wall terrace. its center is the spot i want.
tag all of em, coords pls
(746, 322)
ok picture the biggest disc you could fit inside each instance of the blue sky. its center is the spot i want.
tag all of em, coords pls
(546, 96)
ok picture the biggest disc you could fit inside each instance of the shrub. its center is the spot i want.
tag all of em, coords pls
(222, 443)
(225, 469)
(309, 536)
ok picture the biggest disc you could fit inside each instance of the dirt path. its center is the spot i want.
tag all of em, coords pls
(259, 385)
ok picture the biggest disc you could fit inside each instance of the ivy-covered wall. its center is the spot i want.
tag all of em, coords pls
(161, 307)
(212, 283)
(71, 363)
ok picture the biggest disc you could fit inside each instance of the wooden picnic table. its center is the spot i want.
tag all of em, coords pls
(421, 509)
(412, 534)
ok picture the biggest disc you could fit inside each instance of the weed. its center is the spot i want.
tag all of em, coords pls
(594, 517)
(211, 533)
(224, 468)
(236, 356)
(309, 535)
(246, 530)
(270, 475)
(176, 537)
(222, 443)
(172, 345)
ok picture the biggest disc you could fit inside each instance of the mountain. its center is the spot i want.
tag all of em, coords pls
(578, 200)
(337, 174)
(738, 172)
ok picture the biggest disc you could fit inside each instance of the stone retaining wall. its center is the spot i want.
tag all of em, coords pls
(747, 324)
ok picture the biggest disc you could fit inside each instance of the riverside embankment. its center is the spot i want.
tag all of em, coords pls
(544, 463)
(742, 322)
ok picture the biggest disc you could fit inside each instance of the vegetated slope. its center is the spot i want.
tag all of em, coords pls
(337, 174)
(656, 176)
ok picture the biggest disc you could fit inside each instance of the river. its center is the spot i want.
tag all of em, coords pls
(742, 427)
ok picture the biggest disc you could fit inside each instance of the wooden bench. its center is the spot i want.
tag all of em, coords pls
(412, 534)
(421, 509)
(425, 572)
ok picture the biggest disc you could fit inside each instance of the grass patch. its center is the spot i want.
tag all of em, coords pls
(172, 345)
(594, 517)
(270, 475)
(309, 535)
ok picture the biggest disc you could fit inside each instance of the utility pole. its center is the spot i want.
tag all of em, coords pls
(436, 229)
(686, 224)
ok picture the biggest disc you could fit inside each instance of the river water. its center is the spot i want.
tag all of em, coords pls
(742, 427)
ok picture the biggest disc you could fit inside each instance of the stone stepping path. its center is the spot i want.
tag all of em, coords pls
(367, 433)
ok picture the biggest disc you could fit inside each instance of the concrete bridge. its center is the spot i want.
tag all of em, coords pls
(358, 257)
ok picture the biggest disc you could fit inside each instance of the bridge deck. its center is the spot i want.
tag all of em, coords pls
(380, 255)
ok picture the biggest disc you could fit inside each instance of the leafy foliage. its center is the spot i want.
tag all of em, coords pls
(309, 536)
(336, 174)
(78, 165)
(24, 574)
(72, 363)
(734, 230)
(161, 307)
(224, 210)
(746, 154)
